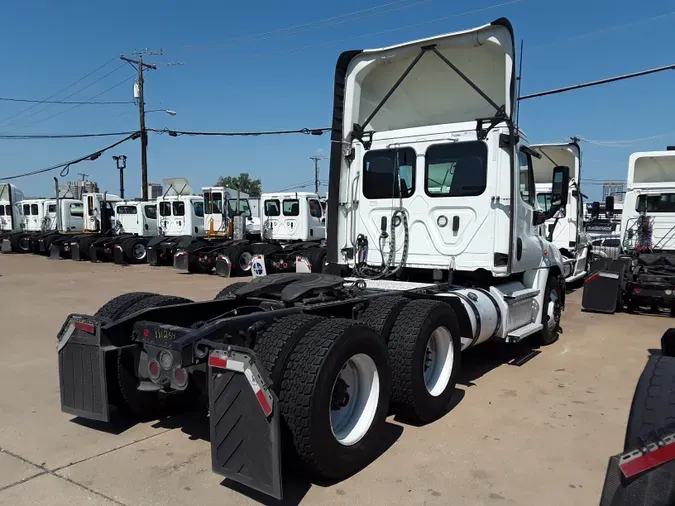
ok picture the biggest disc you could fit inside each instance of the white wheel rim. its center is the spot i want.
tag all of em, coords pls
(551, 312)
(354, 399)
(139, 252)
(439, 358)
(245, 261)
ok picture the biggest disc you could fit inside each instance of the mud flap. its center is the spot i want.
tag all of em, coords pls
(82, 377)
(75, 251)
(118, 255)
(6, 246)
(244, 421)
(93, 255)
(223, 266)
(54, 251)
(258, 268)
(181, 261)
(152, 255)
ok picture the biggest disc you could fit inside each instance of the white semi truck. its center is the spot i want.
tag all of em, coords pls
(565, 229)
(10, 211)
(180, 218)
(432, 208)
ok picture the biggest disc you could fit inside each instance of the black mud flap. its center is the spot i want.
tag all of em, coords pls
(41, 247)
(54, 251)
(6, 246)
(118, 255)
(152, 255)
(244, 421)
(223, 266)
(82, 377)
(75, 251)
(181, 261)
(93, 254)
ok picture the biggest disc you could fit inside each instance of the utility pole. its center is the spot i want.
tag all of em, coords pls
(141, 113)
(121, 162)
(316, 159)
(84, 176)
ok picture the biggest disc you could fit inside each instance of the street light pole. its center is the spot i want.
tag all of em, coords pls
(121, 162)
(141, 113)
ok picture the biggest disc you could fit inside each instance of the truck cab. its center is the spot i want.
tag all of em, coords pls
(180, 215)
(136, 218)
(648, 218)
(99, 211)
(565, 229)
(10, 211)
(432, 182)
(292, 216)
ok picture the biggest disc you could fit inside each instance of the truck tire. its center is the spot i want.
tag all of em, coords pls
(552, 309)
(382, 312)
(275, 344)
(20, 243)
(334, 397)
(84, 244)
(133, 401)
(135, 250)
(118, 305)
(425, 354)
(240, 255)
(229, 290)
(653, 408)
(317, 259)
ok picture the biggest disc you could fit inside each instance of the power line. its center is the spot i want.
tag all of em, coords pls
(60, 91)
(62, 136)
(306, 131)
(73, 107)
(313, 25)
(373, 34)
(66, 165)
(606, 30)
(25, 100)
(596, 83)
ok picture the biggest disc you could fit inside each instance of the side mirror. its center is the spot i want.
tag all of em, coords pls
(595, 209)
(559, 193)
(609, 204)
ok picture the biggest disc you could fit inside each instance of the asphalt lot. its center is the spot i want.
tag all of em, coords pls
(532, 435)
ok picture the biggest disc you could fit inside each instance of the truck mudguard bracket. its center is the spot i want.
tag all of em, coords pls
(244, 421)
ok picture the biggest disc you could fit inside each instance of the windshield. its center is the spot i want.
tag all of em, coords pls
(127, 210)
(544, 201)
(213, 202)
(243, 207)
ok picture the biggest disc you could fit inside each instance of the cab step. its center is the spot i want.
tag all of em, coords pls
(521, 333)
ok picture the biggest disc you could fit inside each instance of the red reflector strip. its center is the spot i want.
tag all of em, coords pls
(85, 327)
(264, 403)
(592, 277)
(215, 361)
(648, 461)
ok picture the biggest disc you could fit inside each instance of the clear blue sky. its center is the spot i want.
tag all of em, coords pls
(277, 82)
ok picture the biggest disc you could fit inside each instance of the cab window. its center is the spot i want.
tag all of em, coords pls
(127, 210)
(526, 177)
(272, 207)
(2, 210)
(213, 202)
(199, 208)
(77, 209)
(150, 212)
(456, 169)
(51, 208)
(165, 208)
(8, 209)
(314, 208)
(34, 209)
(389, 173)
(179, 209)
(26, 209)
(291, 207)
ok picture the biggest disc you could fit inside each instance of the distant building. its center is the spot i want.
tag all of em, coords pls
(615, 188)
(75, 189)
(155, 191)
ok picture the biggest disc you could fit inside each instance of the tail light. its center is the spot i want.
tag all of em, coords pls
(153, 369)
(180, 377)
